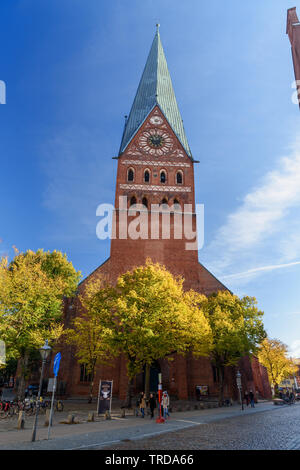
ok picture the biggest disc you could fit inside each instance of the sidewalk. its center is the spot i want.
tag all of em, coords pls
(87, 435)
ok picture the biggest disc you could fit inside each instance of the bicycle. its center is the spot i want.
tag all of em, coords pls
(6, 409)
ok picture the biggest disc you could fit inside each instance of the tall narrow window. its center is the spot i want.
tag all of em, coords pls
(177, 205)
(133, 200)
(84, 375)
(164, 201)
(130, 175)
(146, 176)
(163, 177)
(179, 177)
(145, 201)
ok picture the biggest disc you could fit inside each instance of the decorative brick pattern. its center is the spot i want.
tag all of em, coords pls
(154, 163)
(149, 187)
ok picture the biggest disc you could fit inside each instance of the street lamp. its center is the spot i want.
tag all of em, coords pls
(239, 386)
(160, 419)
(45, 351)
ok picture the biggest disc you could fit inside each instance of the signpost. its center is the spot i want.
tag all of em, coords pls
(104, 396)
(239, 386)
(55, 371)
(160, 419)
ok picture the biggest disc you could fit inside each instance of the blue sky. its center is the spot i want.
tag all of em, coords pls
(72, 68)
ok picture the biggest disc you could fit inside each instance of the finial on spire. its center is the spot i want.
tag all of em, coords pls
(157, 27)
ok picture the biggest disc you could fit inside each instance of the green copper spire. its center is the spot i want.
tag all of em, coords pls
(155, 88)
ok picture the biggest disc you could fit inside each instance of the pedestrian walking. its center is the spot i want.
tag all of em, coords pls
(246, 398)
(152, 404)
(143, 404)
(165, 403)
(251, 396)
(137, 406)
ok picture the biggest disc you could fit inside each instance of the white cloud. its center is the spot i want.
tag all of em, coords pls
(250, 272)
(261, 229)
(294, 349)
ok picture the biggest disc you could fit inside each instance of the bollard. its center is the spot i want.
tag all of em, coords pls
(123, 415)
(70, 419)
(21, 421)
(47, 418)
(91, 417)
(107, 415)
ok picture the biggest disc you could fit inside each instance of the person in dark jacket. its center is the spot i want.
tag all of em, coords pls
(143, 404)
(246, 398)
(251, 396)
(152, 404)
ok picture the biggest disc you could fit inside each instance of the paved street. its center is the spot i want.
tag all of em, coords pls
(264, 427)
(275, 429)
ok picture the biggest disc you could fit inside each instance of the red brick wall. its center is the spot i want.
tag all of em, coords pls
(183, 374)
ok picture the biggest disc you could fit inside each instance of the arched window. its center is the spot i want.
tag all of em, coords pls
(177, 206)
(133, 200)
(130, 175)
(145, 201)
(163, 177)
(164, 201)
(147, 176)
(179, 177)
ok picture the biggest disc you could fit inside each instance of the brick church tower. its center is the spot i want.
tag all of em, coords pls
(155, 171)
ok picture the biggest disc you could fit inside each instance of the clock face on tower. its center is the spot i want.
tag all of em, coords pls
(156, 142)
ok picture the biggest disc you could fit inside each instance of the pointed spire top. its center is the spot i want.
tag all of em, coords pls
(155, 88)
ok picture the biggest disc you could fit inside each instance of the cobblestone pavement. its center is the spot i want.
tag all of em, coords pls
(219, 428)
(102, 433)
(276, 429)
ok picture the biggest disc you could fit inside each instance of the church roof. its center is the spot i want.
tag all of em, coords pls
(155, 88)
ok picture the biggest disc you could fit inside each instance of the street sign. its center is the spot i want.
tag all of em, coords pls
(104, 396)
(56, 363)
(50, 384)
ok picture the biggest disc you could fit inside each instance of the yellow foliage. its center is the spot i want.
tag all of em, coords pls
(273, 355)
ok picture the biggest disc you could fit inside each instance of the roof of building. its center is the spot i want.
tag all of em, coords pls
(155, 88)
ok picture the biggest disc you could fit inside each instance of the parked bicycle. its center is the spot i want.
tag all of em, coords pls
(7, 409)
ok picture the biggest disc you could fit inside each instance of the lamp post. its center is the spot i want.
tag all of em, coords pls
(239, 386)
(160, 419)
(45, 351)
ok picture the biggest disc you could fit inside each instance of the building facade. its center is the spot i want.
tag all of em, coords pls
(156, 171)
(293, 31)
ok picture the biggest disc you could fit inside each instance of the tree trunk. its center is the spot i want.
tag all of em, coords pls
(91, 389)
(221, 372)
(147, 381)
(128, 403)
(24, 369)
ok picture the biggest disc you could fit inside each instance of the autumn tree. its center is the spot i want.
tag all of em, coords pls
(273, 354)
(154, 317)
(91, 332)
(237, 330)
(32, 287)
